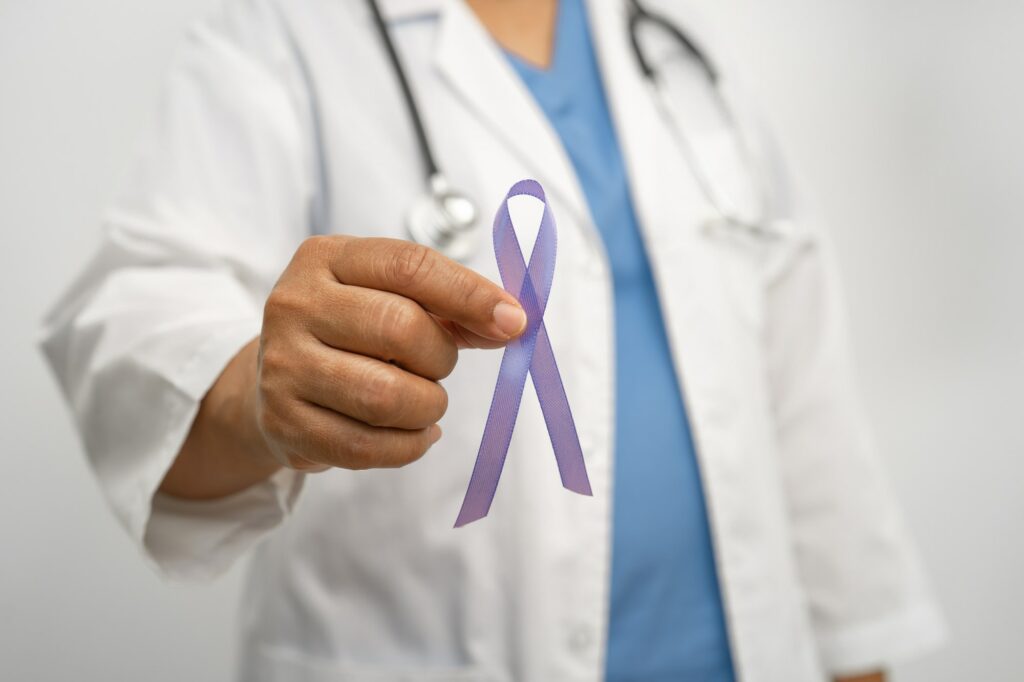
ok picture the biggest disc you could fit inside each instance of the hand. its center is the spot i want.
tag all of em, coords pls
(356, 335)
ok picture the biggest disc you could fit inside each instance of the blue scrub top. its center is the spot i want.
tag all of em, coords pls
(666, 621)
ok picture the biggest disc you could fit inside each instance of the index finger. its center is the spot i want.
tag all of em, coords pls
(442, 286)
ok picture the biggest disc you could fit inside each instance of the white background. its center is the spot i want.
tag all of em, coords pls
(905, 118)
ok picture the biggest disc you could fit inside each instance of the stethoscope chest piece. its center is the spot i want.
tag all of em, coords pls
(444, 219)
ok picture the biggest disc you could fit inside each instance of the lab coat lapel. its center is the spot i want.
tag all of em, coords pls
(670, 208)
(672, 213)
(668, 202)
(472, 65)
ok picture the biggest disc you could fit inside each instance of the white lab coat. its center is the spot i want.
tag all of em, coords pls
(282, 119)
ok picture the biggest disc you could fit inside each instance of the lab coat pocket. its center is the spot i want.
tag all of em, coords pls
(738, 260)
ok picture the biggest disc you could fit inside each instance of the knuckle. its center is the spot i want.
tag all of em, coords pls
(361, 451)
(315, 246)
(272, 422)
(381, 396)
(283, 303)
(466, 288)
(273, 363)
(409, 263)
(400, 314)
(399, 320)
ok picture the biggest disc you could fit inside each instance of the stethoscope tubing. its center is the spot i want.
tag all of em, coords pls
(432, 170)
(637, 14)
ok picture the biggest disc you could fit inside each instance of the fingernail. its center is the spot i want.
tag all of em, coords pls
(510, 319)
(435, 434)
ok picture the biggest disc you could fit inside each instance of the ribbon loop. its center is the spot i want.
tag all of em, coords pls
(531, 354)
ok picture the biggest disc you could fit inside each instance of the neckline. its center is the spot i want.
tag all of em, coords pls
(556, 45)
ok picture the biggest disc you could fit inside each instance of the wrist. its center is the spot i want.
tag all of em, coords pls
(235, 413)
(225, 452)
(242, 408)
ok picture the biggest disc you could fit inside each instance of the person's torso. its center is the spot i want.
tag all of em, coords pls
(368, 579)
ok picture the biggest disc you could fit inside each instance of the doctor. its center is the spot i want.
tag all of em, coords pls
(258, 356)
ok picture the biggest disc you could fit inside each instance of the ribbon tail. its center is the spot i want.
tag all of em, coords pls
(501, 420)
(554, 403)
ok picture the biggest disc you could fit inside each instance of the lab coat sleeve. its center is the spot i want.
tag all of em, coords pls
(215, 205)
(867, 595)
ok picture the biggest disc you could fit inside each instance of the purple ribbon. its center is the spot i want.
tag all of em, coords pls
(529, 354)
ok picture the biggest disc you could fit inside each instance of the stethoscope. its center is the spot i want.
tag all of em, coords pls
(446, 219)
